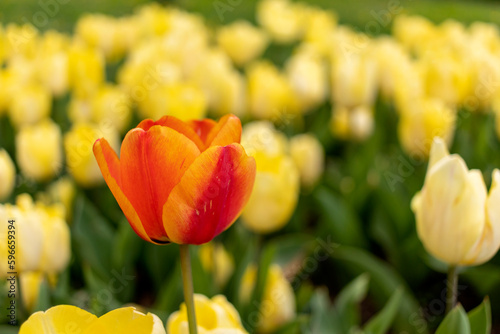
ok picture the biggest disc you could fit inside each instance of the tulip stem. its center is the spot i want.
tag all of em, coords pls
(451, 285)
(187, 280)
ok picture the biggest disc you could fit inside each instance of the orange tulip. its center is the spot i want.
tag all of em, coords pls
(182, 182)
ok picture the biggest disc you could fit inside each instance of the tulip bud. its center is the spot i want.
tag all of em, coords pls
(216, 260)
(29, 104)
(242, 41)
(7, 175)
(214, 315)
(78, 147)
(309, 157)
(277, 182)
(421, 122)
(39, 150)
(278, 301)
(457, 220)
(270, 95)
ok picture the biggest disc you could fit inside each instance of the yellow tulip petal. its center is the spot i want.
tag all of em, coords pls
(58, 319)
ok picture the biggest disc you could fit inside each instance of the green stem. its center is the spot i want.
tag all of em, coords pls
(187, 280)
(452, 283)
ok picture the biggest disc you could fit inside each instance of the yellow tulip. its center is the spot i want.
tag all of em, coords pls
(7, 175)
(56, 250)
(356, 124)
(66, 318)
(413, 32)
(223, 86)
(270, 95)
(282, 19)
(22, 41)
(242, 41)
(277, 182)
(213, 316)
(28, 236)
(181, 100)
(85, 70)
(30, 286)
(52, 62)
(306, 72)
(39, 150)
(457, 220)
(63, 191)
(421, 122)
(102, 32)
(278, 301)
(79, 157)
(309, 156)
(216, 260)
(29, 104)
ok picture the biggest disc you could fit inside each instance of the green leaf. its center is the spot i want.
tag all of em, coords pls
(7, 329)
(381, 322)
(322, 320)
(43, 303)
(92, 236)
(339, 218)
(346, 305)
(385, 281)
(456, 322)
(480, 318)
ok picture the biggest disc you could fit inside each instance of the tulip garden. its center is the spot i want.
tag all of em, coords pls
(231, 166)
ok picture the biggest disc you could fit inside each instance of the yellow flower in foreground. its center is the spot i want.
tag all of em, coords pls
(457, 220)
(309, 156)
(7, 175)
(277, 182)
(216, 260)
(242, 41)
(213, 316)
(63, 319)
(39, 150)
(78, 147)
(278, 302)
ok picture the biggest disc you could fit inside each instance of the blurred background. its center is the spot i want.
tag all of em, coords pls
(341, 229)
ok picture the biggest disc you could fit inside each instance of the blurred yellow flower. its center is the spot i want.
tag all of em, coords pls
(309, 156)
(223, 86)
(278, 301)
(457, 220)
(270, 95)
(86, 70)
(7, 175)
(307, 73)
(282, 19)
(22, 41)
(78, 148)
(213, 316)
(413, 32)
(182, 100)
(216, 260)
(109, 106)
(39, 150)
(59, 319)
(52, 62)
(63, 191)
(356, 124)
(30, 286)
(242, 41)
(102, 32)
(421, 122)
(29, 104)
(277, 182)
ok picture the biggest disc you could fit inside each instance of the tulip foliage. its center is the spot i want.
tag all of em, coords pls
(326, 162)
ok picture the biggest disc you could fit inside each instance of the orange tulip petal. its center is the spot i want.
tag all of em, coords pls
(152, 163)
(110, 168)
(226, 132)
(202, 127)
(210, 196)
(177, 125)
